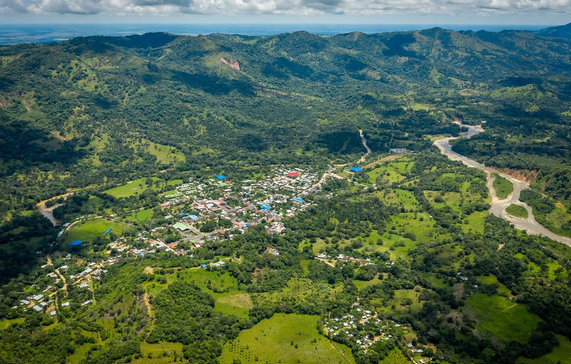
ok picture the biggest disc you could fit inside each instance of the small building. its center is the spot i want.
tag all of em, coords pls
(75, 243)
(84, 285)
(24, 302)
(398, 150)
(298, 200)
(355, 170)
(221, 177)
(293, 174)
(38, 308)
(266, 207)
(180, 226)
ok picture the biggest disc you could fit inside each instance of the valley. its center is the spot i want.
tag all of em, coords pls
(290, 198)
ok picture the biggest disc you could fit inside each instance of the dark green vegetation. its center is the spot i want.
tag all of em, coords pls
(91, 114)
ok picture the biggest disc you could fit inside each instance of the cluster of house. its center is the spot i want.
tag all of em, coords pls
(37, 302)
(363, 328)
(244, 203)
(344, 258)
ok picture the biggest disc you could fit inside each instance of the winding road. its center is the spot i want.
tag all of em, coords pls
(366, 147)
(498, 206)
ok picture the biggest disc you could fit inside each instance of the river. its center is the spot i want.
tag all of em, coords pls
(498, 206)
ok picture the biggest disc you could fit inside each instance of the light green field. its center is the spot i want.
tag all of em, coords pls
(502, 186)
(491, 280)
(238, 304)
(90, 230)
(364, 284)
(560, 355)
(131, 188)
(166, 154)
(555, 270)
(432, 279)
(162, 353)
(476, 222)
(387, 172)
(517, 210)
(399, 197)
(274, 340)
(5, 323)
(501, 317)
(142, 215)
(395, 356)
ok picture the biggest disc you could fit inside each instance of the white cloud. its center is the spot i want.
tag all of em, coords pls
(284, 7)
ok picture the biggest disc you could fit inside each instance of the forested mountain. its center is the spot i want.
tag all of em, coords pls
(96, 109)
(182, 235)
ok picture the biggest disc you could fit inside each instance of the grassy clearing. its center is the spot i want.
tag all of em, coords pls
(383, 160)
(285, 339)
(5, 323)
(364, 284)
(131, 188)
(142, 215)
(517, 210)
(91, 229)
(161, 353)
(165, 154)
(502, 318)
(238, 305)
(395, 357)
(502, 186)
(560, 354)
(491, 280)
(399, 197)
(476, 222)
(555, 270)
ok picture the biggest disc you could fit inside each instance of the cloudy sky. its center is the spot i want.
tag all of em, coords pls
(324, 11)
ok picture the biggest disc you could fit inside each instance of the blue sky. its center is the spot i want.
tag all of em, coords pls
(529, 12)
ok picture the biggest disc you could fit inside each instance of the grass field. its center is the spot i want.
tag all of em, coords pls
(90, 230)
(238, 304)
(285, 339)
(501, 317)
(476, 222)
(517, 210)
(142, 215)
(395, 357)
(131, 188)
(502, 186)
(560, 354)
(161, 353)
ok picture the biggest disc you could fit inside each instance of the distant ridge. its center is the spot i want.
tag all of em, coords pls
(563, 31)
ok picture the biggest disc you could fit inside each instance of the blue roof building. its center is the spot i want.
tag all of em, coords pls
(221, 177)
(75, 243)
(355, 169)
(108, 231)
(298, 199)
(265, 207)
(193, 217)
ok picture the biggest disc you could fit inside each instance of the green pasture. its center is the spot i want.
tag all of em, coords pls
(501, 317)
(89, 230)
(285, 339)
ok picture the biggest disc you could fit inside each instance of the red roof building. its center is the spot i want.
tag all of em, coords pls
(293, 174)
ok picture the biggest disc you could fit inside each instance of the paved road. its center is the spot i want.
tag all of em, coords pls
(498, 206)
